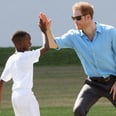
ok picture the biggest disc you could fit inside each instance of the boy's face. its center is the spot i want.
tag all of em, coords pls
(26, 44)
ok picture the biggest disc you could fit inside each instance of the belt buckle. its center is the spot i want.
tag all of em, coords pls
(106, 79)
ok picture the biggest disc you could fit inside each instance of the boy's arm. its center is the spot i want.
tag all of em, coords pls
(1, 89)
(45, 45)
(46, 25)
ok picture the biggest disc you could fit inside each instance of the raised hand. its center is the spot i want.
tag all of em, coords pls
(44, 22)
(45, 26)
(42, 26)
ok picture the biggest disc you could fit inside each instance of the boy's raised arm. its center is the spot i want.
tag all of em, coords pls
(46, 28)
(45, 45)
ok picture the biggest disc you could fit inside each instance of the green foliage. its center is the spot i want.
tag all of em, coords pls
(51, 58)
(4, 54)
(59, 58)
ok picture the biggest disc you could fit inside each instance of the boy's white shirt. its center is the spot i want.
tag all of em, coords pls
(19, 68)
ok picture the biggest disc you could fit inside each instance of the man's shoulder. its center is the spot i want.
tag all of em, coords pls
(74, 31)
(106, 26)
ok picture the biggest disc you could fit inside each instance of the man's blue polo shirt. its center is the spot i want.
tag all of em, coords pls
(98, 56)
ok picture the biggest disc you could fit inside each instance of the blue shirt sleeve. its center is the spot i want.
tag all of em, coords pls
(65, 41)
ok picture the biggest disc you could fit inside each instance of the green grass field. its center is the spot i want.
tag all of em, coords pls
(56, 88)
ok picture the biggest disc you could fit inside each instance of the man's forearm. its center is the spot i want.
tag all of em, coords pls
(52, 43)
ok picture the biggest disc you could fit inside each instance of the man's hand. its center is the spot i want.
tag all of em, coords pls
(113, 91)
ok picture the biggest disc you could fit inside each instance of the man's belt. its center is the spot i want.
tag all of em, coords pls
(103, 79)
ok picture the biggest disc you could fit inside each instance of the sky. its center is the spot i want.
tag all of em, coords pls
(23, 15)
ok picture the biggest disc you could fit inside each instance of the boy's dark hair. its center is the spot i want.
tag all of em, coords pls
(18, 36)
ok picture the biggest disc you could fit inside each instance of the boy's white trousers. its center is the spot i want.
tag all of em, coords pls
(24, 103)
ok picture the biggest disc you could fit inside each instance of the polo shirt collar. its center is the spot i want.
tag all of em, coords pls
(98, 29)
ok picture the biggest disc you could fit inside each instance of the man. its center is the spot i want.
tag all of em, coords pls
(19, 68)
(95, 45)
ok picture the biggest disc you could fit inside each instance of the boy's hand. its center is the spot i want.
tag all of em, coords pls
(44, 22)
(42, 26)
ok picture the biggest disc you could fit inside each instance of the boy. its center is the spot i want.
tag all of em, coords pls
(19, 68)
